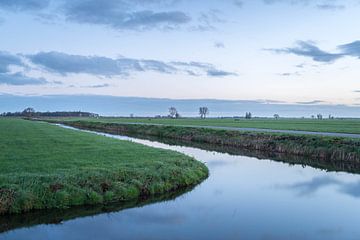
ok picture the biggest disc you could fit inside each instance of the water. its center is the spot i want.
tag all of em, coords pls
(244, 198)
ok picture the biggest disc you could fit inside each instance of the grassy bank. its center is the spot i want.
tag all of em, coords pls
(315, 147)
(44, 166)
(326, 125)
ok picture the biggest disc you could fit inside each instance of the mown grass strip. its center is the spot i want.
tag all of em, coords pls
(44, 166)
(314, 125)
(329, 149)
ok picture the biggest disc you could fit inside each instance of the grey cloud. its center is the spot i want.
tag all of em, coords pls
(193, 64)
(208, 20)
(293, 2)
(158, 66)
(100, 85)
(308, 49)
(320, 4)
(6, 60)
(138, 15)
(20, 79)
(197, 68)
(94, 86)
(357, 91)
(351, 49)
(330, 7)
(219, 73)
(288, 74)
(120, 15)
(64, 64)
(311, 102)
(23, 5)
(6, 77)
(270, 101)
(219, 45)
(239, 3)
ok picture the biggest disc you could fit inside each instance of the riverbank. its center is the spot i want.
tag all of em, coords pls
(328, 149)
(44, 167)
(345, 126)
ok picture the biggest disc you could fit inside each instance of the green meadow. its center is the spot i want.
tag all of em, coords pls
(326, 125)
(43, 166)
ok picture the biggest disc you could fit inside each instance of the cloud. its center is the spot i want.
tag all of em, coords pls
(7, 60)
(292, 2)
(238, 3)
(289, 74)
(23, 5)
(219, 45)
(311, 102)
(120, 14)
(91, 86)
(137, 15)
(207, 20)
(330, 7)
(100, 85)
(198, 68)
(157, 66)
(351, 49)
(319, 4)
(20, 79)
(357, 91)
(65, 64)
(117, 14)
(308, 49)
(219, 73)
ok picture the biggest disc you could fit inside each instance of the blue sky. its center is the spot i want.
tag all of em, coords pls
(280, 50)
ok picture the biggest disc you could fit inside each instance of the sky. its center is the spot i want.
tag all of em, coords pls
(280, 51)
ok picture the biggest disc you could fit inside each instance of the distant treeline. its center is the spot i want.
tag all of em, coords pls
(30, 112)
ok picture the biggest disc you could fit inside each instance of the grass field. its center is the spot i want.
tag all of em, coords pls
(335, 125)
(46, 166)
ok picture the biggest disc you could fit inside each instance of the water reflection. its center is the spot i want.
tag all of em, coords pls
(59, 216)
(244, 198)
(307, 188)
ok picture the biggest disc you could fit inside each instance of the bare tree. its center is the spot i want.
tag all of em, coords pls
(173, 113)
(203, 111)
(28, 112)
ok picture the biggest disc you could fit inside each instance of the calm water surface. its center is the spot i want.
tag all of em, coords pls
(244, 198)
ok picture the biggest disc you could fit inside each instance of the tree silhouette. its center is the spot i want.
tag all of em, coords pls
(203, 111)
